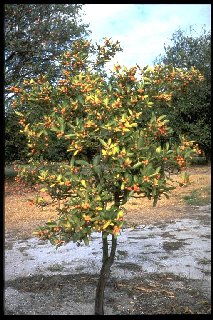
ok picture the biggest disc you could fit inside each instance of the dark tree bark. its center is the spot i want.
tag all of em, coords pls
(104, 273)
(107, 262)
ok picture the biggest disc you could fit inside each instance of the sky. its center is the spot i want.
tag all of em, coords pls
(143, 29)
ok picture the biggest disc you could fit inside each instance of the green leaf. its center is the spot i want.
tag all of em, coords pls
(135, 178)
(140, 142)
(62, 127)
(53, 240)
(150, 103)
(19, 113)
(106, 101)
(158, 150)
(82, 162)
(97, 169)
(109, 142)
(72, 161)
(116, 150)
(106, 224)
(40, 133)
(96, 160)
(79, 193)
(43, 189)
(137, 165)
(51, 224)
(131, 193)
(157, 170)
(83, 182)
(161, 117)
(128, 177)
(76, 152)
(70, 135)
(169, 152)
(103, 142)
(165, 121)
(80, 99)
(54, 128)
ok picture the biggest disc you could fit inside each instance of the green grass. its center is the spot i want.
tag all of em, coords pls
(55, 267)
(198, 161)
(198, 197)
(9, 172)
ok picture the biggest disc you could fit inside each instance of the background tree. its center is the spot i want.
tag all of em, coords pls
(15, 142)
(35, 36)
(191, 113)
(85, 110)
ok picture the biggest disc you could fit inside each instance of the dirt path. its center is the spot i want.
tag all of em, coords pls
(162, 264)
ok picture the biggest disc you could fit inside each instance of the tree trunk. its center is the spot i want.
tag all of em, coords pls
(104, 273)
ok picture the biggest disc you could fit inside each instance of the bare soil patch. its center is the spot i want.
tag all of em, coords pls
(156, 294)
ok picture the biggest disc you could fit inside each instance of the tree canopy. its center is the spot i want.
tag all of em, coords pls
(114, 153)
(191, 113)
(36, 34)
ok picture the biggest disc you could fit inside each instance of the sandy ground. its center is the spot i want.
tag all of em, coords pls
(162, 263)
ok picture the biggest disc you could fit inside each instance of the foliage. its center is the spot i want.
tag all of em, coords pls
(116, 145)
(198, 197)
(198, 160)
(35, 36)
(114, 154)
(9, 172)
(15, 143)
(191, 113)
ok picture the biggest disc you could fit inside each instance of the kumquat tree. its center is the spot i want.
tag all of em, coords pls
(117, 145)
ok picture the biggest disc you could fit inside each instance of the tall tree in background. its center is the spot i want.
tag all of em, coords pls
(191, 114)
(35, 36)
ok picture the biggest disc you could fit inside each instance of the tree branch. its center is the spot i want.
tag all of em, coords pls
(105, 248)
